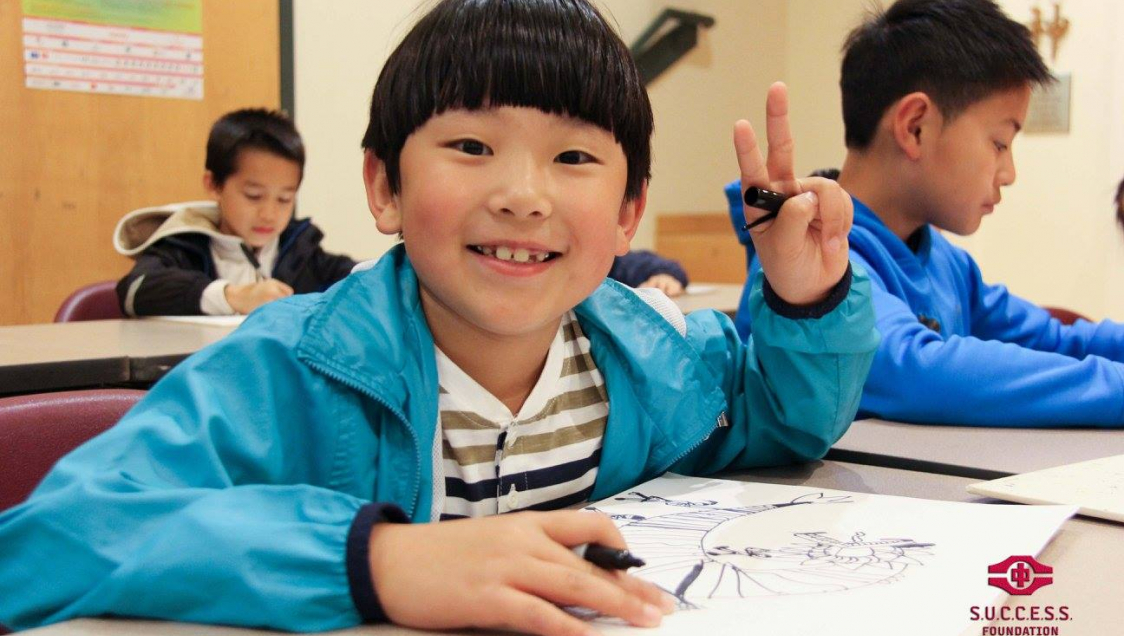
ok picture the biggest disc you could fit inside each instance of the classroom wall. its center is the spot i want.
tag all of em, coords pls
(814, 33)
(337, 57)
(1051, 244)
(697, 101)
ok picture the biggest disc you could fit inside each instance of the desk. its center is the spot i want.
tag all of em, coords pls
(56, 356)
(972, 451)
(1084, 562)
(69, 355)
(721, 296)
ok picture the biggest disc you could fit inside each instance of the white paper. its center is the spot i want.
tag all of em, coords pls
(749, 558)
(1097, 486)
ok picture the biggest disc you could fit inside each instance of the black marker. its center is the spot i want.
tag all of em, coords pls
(763, 199)
(607, 558)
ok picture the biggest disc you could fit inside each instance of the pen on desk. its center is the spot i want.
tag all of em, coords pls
(763, 199)
(607, 558)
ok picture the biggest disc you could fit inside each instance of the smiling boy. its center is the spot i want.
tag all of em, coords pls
(290, 475)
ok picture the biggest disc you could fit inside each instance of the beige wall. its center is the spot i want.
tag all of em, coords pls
(814, 32)
(1052, 239)
(338, 57)
(697, 101)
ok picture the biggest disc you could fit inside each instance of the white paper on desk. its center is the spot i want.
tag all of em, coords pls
(752, 558)
(1097, 486)
(214, 321)
(698, 290)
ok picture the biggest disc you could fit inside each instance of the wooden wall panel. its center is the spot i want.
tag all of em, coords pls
(704, 243)
(71, 164)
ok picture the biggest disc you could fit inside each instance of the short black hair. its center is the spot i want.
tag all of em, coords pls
(559, 56)
(826, 173)
(958, 52)
(256, 128)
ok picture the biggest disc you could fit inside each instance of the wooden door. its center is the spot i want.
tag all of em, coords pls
(705, 245)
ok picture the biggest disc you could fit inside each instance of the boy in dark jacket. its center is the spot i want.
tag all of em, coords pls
(243, 248)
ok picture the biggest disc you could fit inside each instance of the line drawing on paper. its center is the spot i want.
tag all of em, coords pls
(700, 552)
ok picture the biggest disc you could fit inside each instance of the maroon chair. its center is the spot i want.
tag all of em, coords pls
(97, 301)
(1066, 316)
(37, 430)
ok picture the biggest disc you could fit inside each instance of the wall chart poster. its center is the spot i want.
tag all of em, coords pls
(749, 558)
(147, 48)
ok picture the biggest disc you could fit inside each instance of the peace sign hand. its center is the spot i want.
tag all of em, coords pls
(803, 251)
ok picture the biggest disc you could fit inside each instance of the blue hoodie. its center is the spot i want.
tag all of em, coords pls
(240, 490)
(987, 358)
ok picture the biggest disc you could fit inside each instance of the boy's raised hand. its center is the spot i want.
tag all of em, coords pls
(507, 572)
(803, 251)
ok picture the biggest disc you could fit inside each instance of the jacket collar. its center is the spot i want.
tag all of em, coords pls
(667, 375)
(140, 229)
(370, 332)
(899, 250)
(668, 398)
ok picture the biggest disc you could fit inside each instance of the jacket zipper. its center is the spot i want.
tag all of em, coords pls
(720, 422)
(397, 413)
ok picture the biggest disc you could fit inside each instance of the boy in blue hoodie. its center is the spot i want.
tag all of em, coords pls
(484, 366)
(934, 93)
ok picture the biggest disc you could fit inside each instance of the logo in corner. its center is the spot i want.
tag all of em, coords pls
(1019, 575)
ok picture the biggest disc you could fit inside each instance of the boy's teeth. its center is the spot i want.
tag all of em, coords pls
(518, 255)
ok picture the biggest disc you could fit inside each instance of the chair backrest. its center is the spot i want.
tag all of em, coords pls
(37, 430)
(1066, 316)
(97, 301)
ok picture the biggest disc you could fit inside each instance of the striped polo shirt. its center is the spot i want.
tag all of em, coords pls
(544, 457)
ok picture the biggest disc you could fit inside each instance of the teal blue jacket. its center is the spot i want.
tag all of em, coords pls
(227, 494)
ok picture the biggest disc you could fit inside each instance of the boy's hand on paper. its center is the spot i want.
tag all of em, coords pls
(804, 250)
(666, 283)
(506, 572)
(246, 298)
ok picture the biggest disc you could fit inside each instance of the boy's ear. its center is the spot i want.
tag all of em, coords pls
(209, 184)
(911, 123)
(383, 204)
(629, 220)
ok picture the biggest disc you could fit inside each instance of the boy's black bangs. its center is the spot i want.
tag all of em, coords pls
(558, 56)
(251, 129)
(274, 143)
